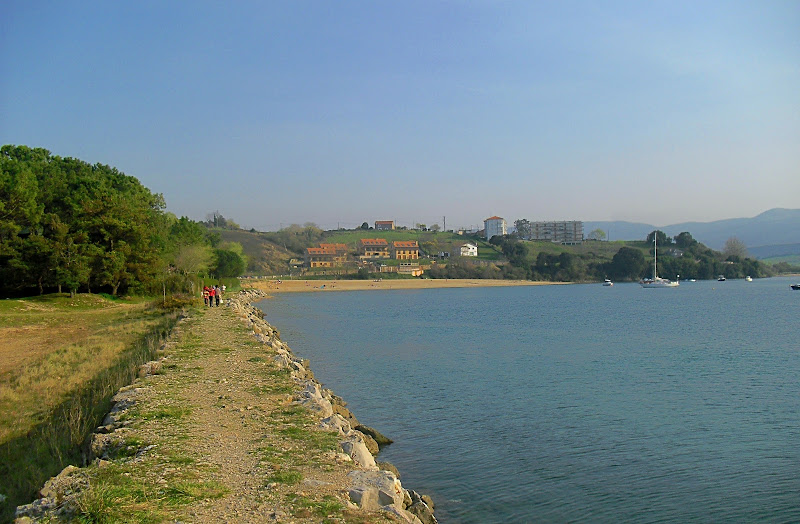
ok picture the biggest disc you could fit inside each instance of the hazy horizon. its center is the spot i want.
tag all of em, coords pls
(338, 113)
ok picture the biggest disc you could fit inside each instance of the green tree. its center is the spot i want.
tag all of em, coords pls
(734, 248)
(229, 264)
(685, 240)
(663, 239)
(597, 234)
(524, 228)
(627, 263)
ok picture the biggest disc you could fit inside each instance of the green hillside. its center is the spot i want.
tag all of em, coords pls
(269, 253)
(263, 257)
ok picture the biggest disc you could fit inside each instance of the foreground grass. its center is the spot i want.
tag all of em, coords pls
(64, 358)
(56, 345)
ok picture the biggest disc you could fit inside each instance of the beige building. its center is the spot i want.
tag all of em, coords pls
(326, 255)
(373, 248)
(320, 257)
(405, 250)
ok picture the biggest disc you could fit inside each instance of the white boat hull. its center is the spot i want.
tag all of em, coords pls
(664, 283)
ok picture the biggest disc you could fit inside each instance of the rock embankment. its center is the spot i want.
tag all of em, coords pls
(229, 425)
(372, 487)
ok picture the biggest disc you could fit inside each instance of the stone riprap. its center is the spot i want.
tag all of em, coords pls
(228, 415)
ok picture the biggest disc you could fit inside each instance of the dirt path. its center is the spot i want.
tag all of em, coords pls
(242, 431)
(212, 433)
(226, 428)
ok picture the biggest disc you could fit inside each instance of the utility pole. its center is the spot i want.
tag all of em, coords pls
(444, 224)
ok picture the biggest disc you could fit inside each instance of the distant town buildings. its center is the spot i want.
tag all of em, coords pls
(564, 232)
(384, 225)
(494, 226)
(369, 252)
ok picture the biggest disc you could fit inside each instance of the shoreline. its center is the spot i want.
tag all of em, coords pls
(242, 427)
(310, 286)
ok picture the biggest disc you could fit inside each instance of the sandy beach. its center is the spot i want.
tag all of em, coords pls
(306, 286)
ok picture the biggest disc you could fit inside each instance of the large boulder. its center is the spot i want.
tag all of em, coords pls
(337, 423)
(379, 438)
(374, 490)
(355, 448)
(420, 507)
(311, 397)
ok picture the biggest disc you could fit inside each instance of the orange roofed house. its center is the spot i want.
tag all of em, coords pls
(384, 225)
(326, 255)
(373, 248)
(405, 250)
(341, 249)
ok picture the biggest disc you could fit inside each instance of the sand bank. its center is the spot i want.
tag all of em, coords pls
(305, 286)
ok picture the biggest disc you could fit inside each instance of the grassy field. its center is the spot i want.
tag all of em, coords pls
(62, 360)
(789, 259)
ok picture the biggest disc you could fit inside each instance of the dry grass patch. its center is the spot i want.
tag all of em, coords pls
(56, 345)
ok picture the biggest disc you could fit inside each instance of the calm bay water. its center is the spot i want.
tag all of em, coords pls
(572, 403)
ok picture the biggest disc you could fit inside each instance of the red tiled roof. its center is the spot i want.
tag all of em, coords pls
(495, 218)
(340, 247)
(405, 243)
(374, 242)
(320, 251)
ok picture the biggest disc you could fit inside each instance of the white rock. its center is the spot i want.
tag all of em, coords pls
(354, 446)
(402, 514)
(336, 422)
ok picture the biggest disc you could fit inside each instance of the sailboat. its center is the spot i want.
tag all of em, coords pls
(656, 281)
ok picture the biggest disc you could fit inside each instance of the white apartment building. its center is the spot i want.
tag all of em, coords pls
(494, 226)
(564, 232)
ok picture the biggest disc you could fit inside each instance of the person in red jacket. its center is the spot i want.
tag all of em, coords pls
(205, 295)
(211, 296)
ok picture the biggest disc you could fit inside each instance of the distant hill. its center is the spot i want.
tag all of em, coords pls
(774, 227)
(780, 250)
(263, 256)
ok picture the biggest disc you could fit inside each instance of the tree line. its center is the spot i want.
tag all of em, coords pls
(682, 256)
(69, 225)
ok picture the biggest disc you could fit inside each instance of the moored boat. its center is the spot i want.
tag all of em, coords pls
(796, 287)
(656, 281)
(748, 278)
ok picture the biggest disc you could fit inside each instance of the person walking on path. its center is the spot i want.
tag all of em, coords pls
(211, 297)
(217, 293)
(205, 295)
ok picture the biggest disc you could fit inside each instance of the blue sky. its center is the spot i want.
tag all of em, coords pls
(343, 112)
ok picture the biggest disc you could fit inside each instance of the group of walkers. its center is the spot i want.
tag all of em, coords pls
(212, 294)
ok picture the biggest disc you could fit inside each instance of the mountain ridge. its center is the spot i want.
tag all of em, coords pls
(777, 226)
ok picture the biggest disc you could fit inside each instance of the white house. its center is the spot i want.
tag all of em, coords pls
(467, 250)
(494, 226)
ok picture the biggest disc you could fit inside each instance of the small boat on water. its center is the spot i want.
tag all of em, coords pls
(748, 278)
(796, 287)
(607, 282)
(721, 278)
(656, 281)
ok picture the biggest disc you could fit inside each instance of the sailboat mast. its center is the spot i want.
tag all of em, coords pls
(655, 255)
